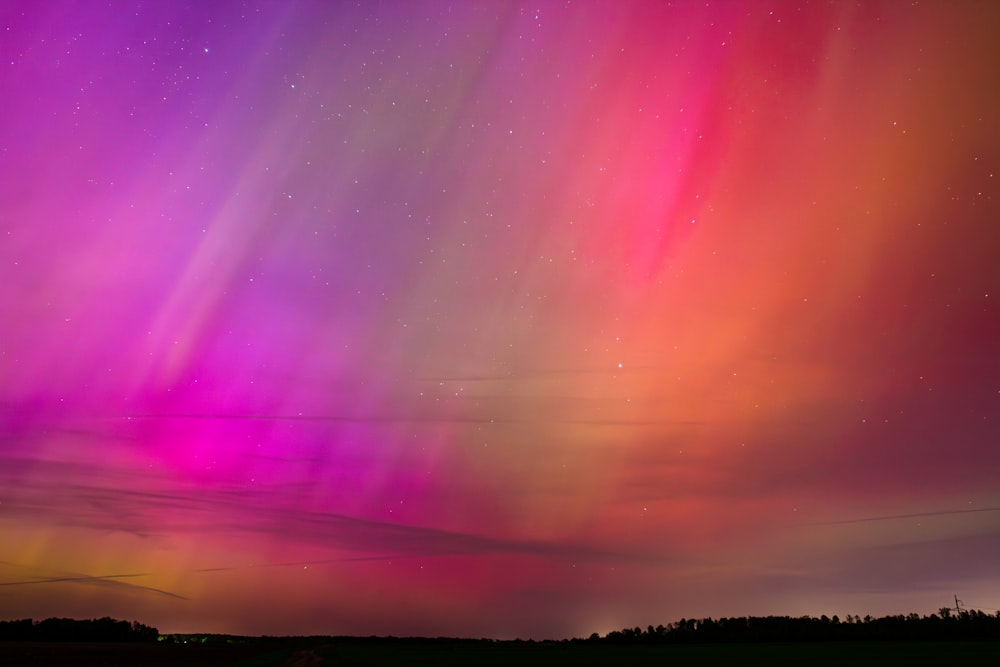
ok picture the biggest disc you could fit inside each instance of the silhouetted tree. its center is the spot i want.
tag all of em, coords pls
(965, 625)
(71, 630)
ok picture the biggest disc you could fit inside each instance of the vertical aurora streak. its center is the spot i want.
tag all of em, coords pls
(506, 319)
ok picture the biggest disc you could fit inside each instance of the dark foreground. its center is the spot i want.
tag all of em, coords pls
(441, 653)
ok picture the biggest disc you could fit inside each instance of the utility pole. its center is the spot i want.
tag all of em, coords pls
(958, 605)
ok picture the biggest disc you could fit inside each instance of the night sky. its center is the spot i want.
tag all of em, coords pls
(497, 319)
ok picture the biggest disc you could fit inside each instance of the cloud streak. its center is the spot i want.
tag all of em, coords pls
(107, 580)
(912, 515)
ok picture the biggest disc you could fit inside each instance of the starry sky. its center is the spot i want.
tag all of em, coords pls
(497, 319)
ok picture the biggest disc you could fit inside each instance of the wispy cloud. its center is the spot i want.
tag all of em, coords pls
(146, 504)
(894, 517)
(107, 580)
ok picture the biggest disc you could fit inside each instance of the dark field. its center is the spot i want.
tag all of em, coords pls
(94, 654)
(520, 654)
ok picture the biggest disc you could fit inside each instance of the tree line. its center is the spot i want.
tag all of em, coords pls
(72, 630)
(945, 625)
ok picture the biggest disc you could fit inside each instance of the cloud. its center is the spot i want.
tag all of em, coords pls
(914, 515)
(106, 580)
(108, 497)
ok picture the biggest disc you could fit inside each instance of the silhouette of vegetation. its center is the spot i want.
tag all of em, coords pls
(71, 630)
(948, 636)
(947, 625)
